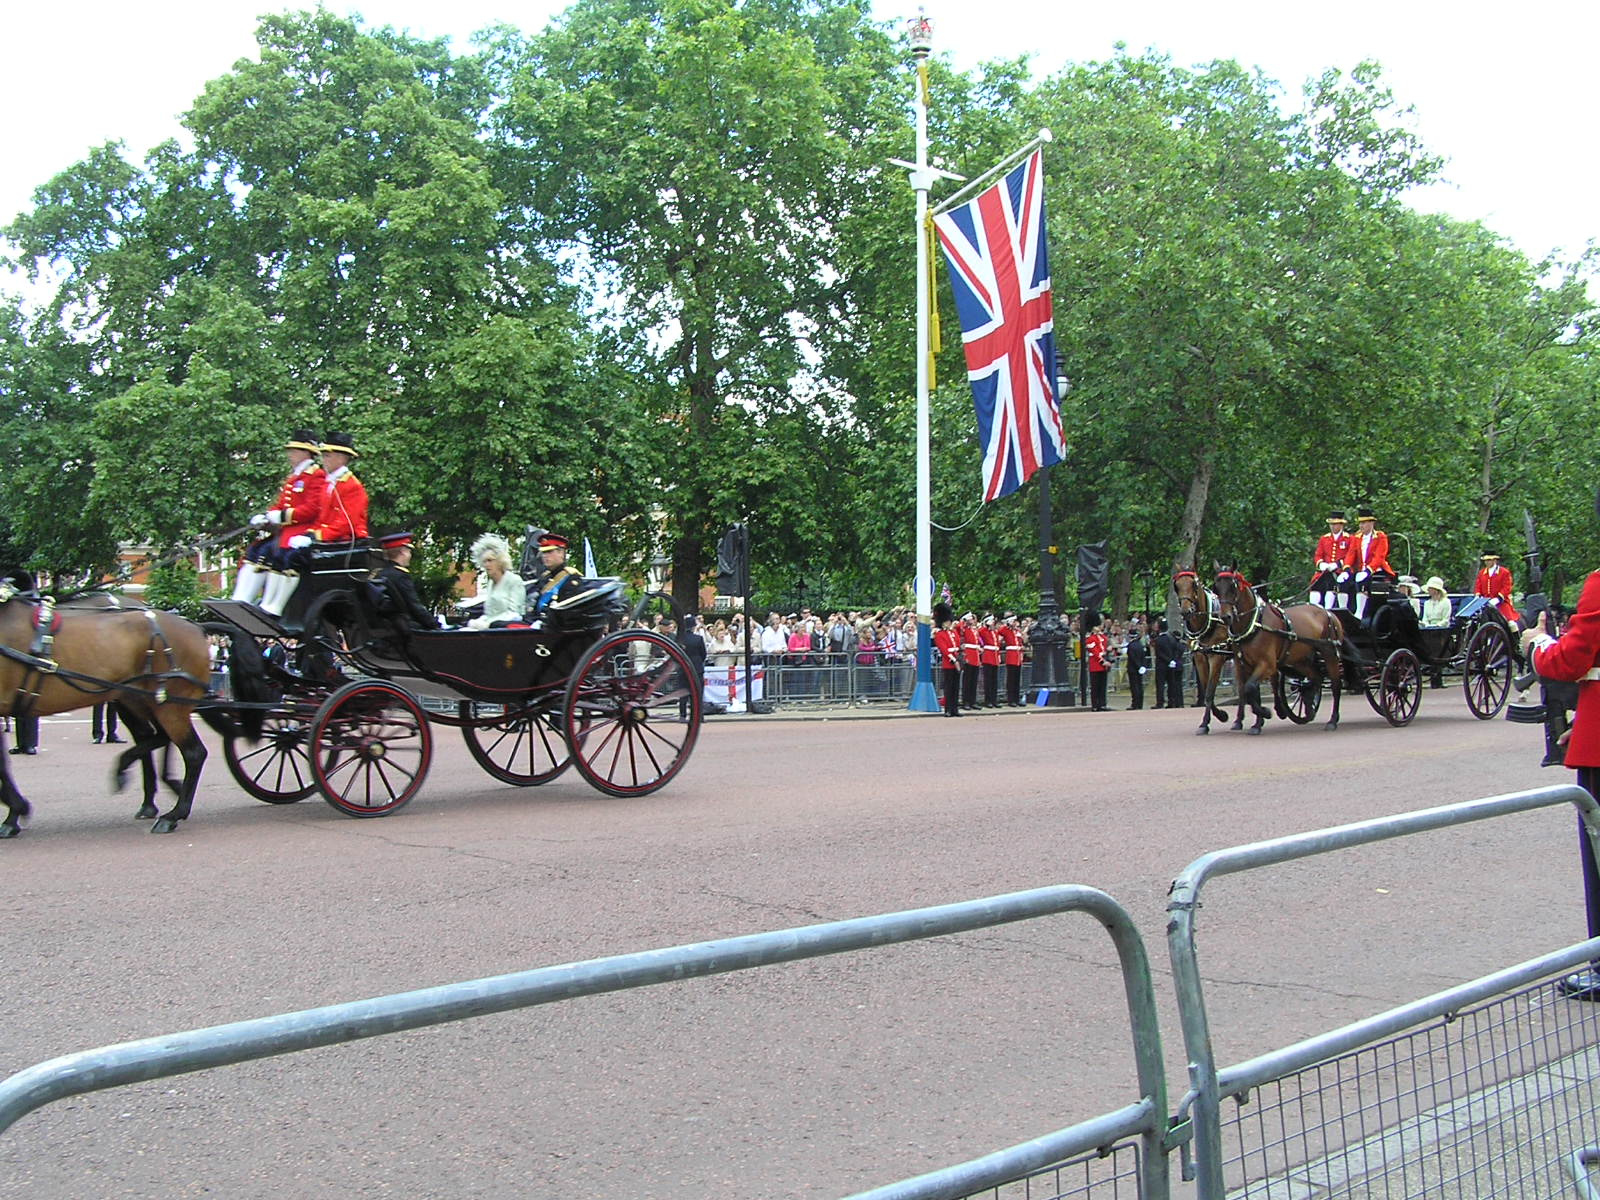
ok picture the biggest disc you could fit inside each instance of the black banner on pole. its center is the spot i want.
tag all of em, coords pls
(733, 562)
(1094, 577)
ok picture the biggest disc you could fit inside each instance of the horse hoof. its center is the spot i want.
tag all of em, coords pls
(164, 825)
(119, 780)
(1255, 729)
(1202, 731)
(147, 812)
(8, 831)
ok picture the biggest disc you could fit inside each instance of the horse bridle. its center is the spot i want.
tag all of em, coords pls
(1213, 608)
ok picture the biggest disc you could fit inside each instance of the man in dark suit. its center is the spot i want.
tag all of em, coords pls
(1138, 656)
(1169, 668)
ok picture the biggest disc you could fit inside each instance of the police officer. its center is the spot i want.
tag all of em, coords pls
(342, 520)
(296, 509)
(1138, 655)
(1169, 668)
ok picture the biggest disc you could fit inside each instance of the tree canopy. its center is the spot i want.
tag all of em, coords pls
(648, 271)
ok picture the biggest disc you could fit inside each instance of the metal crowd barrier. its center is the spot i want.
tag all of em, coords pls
(840, 679)
(1130, 1138)
(1483, 1090)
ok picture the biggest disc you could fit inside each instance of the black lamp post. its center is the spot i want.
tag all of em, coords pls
(1049, 634)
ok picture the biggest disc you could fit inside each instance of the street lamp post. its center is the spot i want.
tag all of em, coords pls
(1049, 635)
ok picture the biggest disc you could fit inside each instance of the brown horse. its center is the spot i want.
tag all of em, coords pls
(1206, 634)
(154, 665)
(1304, 639)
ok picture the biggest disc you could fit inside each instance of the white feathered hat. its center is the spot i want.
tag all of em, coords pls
(490, 545)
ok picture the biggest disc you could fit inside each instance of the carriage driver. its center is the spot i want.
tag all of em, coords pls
(560, 579)
(342, 520)
(298, 505)
(1329, 563)
(1494, 581)
(1367, 558)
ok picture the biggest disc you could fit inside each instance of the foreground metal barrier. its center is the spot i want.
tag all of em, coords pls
(1135, 1131)
(1483, 1090)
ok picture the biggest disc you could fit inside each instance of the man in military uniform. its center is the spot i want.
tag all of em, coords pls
(560, 579)
(989, 661)
(398, 588)
(947, 645)
(971, 659)
(1138, 655)
(342, 520)
(1096, 650)
(1168, 652)
(296, 509)
(1010, 638)
(1329, 563)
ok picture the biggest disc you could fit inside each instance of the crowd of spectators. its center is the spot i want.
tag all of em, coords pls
(805, 639)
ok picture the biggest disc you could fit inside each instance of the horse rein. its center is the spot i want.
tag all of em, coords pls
(1213, 620)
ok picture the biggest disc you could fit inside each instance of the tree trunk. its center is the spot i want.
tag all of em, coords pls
(1121, 589)
(1194, 517)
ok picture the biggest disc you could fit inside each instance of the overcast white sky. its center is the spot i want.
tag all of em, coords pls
(1504, 95)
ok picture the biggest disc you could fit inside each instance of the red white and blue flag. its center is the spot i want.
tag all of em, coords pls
(1000, 273)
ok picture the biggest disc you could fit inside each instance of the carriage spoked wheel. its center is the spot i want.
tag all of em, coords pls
(631, 712)
(1396, 690)
(526, 748)
(370, 748)
(1298, 697)
(1486, 670)
(277, 769)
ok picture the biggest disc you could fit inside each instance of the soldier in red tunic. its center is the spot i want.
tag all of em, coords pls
(1010, 637)
(1095, 649)
(971, 660)
(989, 661)
(1329, 563)
(1494, 581)
(299, 499)
(342, 520)
(1575, 657)
(947, 644)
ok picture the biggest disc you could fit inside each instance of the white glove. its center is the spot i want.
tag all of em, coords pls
(260, 521)
(1361, 576)
(443, 624)
(299, 541)
(275, 515)
(1142, 670)
(1344, 576)
(1173, 664)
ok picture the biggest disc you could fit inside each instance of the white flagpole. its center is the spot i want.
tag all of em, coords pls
(924, 697)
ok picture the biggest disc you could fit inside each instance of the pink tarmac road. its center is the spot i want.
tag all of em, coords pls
(814, 1079)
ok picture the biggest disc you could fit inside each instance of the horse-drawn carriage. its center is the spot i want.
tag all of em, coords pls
(352, 693)
(1306, 651)
(339, 696)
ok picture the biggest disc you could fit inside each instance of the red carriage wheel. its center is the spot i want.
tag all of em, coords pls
(277, 769)
(1298, 697)
(1398, 691)
(370, 748)
(632, 712)
(1486, 670)
(525, 748)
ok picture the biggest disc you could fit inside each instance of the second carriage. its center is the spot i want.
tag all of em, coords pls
(1389, 657)
(352, 694)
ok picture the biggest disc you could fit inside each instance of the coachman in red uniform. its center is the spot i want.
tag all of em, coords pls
(1328, 564)
(299, 500)
(1367, 558)
(947, 644)
(1494, 581)
(341, 521)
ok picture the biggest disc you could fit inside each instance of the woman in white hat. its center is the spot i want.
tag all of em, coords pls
(1435, 604)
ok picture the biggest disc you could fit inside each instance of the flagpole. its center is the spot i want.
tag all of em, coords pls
(924, 697)
(1043, 138)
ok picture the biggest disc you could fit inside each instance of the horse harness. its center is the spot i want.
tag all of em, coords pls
(1214, 608)
(38, 662)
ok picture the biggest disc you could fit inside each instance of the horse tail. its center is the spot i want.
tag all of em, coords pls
(252, 687)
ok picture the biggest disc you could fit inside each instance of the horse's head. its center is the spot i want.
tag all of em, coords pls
(1193, 604)
(1234, 596)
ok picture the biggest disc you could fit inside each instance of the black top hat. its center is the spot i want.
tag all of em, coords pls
(1336, 516)
(340, 443)
(303, 439)
(1487, 555)
(1365, 514)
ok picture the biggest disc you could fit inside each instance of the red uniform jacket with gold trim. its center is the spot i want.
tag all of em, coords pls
(1576, 656)
(1376, 557)
(1331, 549)
(948, 643)
(1010, 645)
(344, 511)
(300, 501)
(1496, 584)
(1095, 646)
(970, 647)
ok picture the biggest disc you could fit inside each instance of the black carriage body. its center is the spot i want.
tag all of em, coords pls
(577, 687)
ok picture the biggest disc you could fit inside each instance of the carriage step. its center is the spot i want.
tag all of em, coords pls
(255, 621)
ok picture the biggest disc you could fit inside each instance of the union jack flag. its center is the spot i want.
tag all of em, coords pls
(1000, 273)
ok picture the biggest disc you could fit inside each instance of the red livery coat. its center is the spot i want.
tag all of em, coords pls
(1495, 583)
(988, 647)
(344, 511)
(1573, 656)
(1332, 549)
(300, 501)
(1376, 557)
